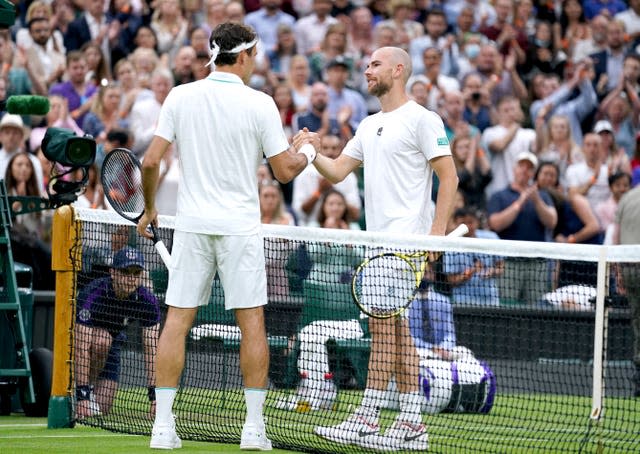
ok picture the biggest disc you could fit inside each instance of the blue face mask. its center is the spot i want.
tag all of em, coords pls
(472, 50)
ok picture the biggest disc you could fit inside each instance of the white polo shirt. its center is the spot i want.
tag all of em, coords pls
(395, 148)
(222, 129)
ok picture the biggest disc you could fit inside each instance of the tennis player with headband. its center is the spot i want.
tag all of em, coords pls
(400, 147)
(221, 128)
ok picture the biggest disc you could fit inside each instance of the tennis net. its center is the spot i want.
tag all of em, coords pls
(523, 346)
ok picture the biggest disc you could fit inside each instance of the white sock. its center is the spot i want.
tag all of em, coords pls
(410, 407)
(164, 406)
(254, 398)
(370, 405)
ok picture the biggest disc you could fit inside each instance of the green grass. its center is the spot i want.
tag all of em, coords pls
(517, 423)
(19, 434)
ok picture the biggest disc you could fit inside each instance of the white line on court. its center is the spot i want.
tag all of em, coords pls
(24, 425)
(119, 435)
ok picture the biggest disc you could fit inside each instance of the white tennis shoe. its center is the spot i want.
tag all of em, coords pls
(165, 437)
(401, 436)
(355, 430)
(254, 438)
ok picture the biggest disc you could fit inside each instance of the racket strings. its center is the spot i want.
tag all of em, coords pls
(122, 181)
(385, 285)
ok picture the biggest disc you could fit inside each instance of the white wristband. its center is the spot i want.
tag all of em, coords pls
(309, 151)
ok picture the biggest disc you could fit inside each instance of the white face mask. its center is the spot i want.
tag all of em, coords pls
(472, 50)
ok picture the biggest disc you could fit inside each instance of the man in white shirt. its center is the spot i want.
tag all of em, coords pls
(631, 19)
(505, 141)
(310, 30)
(222, 128)
(12, 136)
(310, 185)
(401, 147)
(590, 178)
(146, 110)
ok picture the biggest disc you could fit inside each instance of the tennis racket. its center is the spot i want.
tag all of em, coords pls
(122, 183)
(384, 285)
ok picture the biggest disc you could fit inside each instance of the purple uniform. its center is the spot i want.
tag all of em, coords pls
(98, 307)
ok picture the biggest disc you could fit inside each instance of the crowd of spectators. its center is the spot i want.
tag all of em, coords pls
(559, 81)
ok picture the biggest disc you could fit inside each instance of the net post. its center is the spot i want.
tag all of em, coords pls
(63, 255)
(599, 337)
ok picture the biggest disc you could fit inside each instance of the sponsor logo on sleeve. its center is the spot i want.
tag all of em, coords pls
(442, 141)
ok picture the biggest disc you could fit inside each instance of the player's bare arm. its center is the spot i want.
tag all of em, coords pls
(150, 178)
(336, 170)
(444, 167)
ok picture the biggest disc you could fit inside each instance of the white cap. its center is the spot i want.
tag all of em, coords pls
(528, 156)
(13, 121)
(603, 125)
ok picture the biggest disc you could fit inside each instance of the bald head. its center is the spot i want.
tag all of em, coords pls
(396, 56)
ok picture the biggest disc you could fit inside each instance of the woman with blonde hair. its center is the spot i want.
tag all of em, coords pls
(333, 45)
(400, 13)
(170, 27)
(298, 80)
(556, 143)
(272, 209)
(144, 61)
(105, 113)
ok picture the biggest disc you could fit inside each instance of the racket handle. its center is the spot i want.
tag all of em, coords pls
(160, 247)
(164, 253)
(459, 231)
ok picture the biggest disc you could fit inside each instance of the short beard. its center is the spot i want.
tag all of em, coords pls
(380, 89)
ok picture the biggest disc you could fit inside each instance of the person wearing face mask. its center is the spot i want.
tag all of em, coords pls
(469, 54)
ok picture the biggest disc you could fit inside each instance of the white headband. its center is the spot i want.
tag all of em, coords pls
(215, 50)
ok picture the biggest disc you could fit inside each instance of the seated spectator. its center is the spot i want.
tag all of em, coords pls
(282, 54)
(341, 96)
(309, 187)
(631, 20)
(283, 98)
(334, 212)
(571, 27)
(620, 184)
(556, 143)
(436, 28)
(595, 41)
(44, 55)
(522, 212)
(505, 142)
(127, 78)
(608, 63)
(316, 117)
(310, 29)
(182, 65)
(508, 38)
(98, 69)
(438, 83)
(145, 61)
(30, 233)
(555, 99)
(608, 8)
(298, 79)
(170, 27)
(272, 210)
(589, 177)
(76, 89)
(624, 120)
(12, 137)
(477, 102)
(577, 223)
(266, 20)
(146, 110)
(499, 74)
(614, 156)
(104, 116)
(473, 276)
(39, 9)
(431, 325)
(474, 170)
(400, 19)
(333, 46)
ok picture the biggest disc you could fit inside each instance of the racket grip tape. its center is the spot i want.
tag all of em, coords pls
(164, 252)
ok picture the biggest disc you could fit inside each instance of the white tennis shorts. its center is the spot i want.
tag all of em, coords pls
(238, 259)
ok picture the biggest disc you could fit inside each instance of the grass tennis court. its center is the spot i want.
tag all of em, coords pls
(19, 434)
(517, 423)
